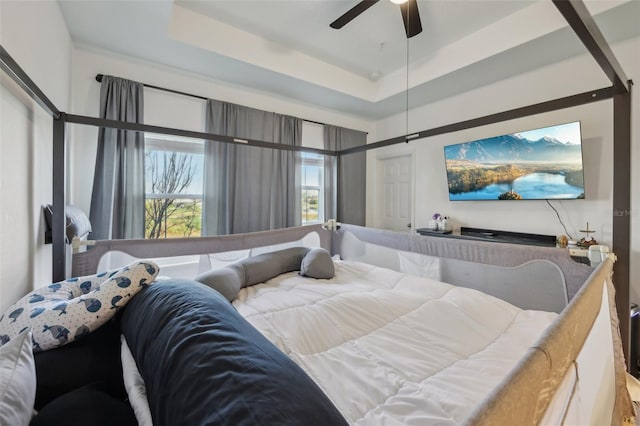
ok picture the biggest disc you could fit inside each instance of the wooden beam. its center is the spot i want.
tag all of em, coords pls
(115, 124)
(622, 211)
(58, 217)
(583, 24)
(539, 108)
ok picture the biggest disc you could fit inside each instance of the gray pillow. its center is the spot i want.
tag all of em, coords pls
(263, 267)
(317, 263)
(229, 280)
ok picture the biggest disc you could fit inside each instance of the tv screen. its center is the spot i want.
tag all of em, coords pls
(536, 164)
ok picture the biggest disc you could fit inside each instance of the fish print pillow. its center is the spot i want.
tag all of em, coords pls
(64, 311)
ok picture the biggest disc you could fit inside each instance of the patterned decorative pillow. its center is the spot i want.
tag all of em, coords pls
(64, 311)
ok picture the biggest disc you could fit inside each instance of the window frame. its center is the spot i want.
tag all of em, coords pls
(173, 144)
(314, 160)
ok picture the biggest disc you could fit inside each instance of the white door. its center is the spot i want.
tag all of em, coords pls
(394, 193)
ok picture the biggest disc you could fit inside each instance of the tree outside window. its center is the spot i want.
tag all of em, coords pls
(173, 205)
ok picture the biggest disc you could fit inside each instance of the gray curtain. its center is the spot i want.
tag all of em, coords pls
(247, 188)
(117, 201)
(345, 177)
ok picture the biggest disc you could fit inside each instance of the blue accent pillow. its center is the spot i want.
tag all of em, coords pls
(203, 363)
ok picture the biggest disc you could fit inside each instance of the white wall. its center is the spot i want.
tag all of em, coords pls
(571, 76)
(162, 108)
(35, 35)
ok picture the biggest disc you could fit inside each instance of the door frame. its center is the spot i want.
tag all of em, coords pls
(378, 169)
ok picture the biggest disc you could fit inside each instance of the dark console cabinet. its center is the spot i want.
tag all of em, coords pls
(495, 236)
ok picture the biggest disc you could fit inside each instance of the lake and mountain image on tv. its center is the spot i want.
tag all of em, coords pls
(536, 164)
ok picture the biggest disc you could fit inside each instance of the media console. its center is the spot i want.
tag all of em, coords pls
(495, 236)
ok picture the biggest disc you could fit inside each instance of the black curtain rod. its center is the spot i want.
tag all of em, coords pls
(177, 92)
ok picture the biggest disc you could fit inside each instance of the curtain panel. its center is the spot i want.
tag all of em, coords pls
(345, 177)
(248, 189)
(117, 201)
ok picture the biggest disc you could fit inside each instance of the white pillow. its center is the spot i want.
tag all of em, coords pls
(17, 380)
(134, 385)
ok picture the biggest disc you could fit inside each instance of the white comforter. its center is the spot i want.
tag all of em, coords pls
(389, 348)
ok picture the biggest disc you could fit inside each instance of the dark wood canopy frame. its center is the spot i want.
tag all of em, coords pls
(577, 16)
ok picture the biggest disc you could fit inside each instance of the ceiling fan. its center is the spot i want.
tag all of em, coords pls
(408, 8)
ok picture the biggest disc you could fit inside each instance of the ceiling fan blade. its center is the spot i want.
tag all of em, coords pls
(352, 13)
(411, 18)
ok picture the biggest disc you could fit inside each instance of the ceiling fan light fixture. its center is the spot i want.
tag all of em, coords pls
(408, 9)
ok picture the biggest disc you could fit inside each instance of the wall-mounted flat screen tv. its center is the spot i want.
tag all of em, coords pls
(536, 164)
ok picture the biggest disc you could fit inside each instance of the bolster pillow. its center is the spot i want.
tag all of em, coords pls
(311, 262)
(203, 363)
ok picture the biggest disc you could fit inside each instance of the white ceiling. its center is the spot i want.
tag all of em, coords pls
(287, 48)
(373, 42)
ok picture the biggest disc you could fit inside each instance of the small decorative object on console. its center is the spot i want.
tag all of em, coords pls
(588, 240)
(563, 241)
(439, 223)
(433, 223)
(444, 224)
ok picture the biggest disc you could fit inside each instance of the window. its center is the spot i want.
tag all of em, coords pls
(173, 186)
(312, 183)
(312, 174)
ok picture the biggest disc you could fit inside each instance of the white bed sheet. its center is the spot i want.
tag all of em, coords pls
(390, 348)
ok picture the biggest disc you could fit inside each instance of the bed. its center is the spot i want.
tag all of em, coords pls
(391, 347)
(308, 336)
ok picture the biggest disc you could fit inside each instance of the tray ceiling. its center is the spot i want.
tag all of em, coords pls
(287, 48)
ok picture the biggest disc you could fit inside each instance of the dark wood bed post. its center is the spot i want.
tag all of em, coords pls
(583, 24)
(58, 217)
(622, 211)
